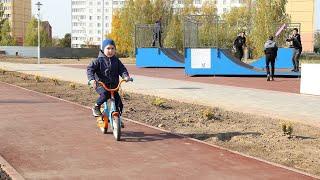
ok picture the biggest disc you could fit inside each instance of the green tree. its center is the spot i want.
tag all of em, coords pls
(31, 37)
(268, 15)
(5, 38)
(66, 41)
(55, 42)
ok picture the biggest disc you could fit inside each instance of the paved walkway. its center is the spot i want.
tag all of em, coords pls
(287, 106)
(282, 84)
(46, 138)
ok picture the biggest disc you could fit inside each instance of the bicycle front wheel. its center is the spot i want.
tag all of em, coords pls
(116, 127)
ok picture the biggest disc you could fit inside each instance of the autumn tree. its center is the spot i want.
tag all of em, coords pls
(268, 15)
(1, 15)
(174, 37)
(237, 20)
(136, 12)
(175, 33)
(31, 36)
(208, 30)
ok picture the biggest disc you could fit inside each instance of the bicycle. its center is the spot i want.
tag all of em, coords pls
(110, 113)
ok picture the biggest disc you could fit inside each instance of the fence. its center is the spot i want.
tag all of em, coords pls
(50, 52)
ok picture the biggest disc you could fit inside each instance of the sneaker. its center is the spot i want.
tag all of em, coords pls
(96, 111)
(272, 79)
(268, 77)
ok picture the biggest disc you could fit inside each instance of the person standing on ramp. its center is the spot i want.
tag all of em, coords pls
(271, 51)
(296, 43)
(157, 30)
(239, 43)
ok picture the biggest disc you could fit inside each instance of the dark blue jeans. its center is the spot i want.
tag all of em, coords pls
(105, 95)
(270, 59)
(295, 58)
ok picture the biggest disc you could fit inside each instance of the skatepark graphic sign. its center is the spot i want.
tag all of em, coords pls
(201, 58)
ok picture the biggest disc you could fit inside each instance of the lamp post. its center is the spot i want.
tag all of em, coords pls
(102, 25)
(38, 4)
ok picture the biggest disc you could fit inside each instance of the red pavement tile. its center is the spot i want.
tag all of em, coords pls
(282, 84)
(46, 138)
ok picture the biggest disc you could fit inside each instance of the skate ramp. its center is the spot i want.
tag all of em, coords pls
(159, 57)
(222, 62)
(283, 60)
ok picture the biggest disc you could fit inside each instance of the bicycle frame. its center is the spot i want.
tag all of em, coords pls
(110, 109)
(110, 112)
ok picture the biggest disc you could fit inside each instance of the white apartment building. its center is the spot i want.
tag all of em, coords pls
(223, 6)
(86, 17)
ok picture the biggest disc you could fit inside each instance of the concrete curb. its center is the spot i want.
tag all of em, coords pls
(10, 170)
(180, 135)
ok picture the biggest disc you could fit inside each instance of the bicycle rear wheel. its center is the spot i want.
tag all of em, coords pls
(116, 127)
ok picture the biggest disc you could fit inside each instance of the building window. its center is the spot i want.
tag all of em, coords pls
(224, 10)
(197, 1)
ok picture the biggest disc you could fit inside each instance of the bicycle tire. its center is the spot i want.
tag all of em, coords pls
(116, 127)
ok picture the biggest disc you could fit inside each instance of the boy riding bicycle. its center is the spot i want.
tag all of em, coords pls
(106, 68)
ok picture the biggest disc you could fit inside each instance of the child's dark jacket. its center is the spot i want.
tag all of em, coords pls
(106, 70)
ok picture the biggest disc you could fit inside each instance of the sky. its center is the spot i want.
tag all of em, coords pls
(58, 13)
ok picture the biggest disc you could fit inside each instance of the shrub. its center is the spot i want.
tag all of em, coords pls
(207, 114)
(3, 71)
(37, 78)
(158, 102)
(55, 81)
(287, 129)
(24, 77)
(72, 86)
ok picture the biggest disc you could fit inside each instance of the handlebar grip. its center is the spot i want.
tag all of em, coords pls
(130, 79)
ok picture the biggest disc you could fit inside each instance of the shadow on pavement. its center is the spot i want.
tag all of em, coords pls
(227, 136)
(129, 136)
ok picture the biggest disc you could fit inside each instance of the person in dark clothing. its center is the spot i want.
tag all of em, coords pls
(106, 68)
(157, 30)
(239, 43)
(270, 50)
(296, 43)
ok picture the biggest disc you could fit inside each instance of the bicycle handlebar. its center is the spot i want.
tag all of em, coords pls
(115, 89)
